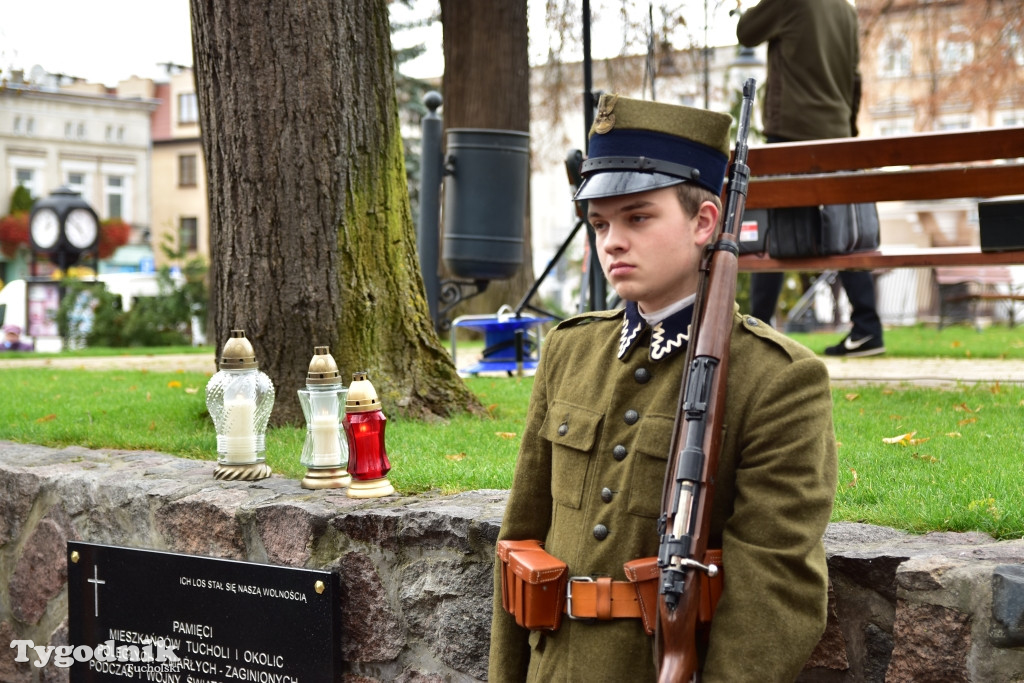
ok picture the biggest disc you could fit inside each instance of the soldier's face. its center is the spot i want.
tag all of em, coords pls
(649, 246)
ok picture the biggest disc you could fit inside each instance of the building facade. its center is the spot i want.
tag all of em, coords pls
(180, 229)
(82, 137)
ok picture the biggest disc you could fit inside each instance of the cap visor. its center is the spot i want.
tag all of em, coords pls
(615, 183)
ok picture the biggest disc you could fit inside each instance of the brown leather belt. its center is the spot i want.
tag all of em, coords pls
(604, 599)
(601, 598)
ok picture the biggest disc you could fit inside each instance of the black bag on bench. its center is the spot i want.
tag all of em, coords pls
(822, 230)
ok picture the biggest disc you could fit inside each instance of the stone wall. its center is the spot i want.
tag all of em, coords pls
(416, 572)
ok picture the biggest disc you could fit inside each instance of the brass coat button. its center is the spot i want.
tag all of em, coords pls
(619, 452)
(600, 532)
(631, 417)
(606, 494)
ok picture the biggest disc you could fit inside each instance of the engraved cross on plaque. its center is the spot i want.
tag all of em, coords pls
(96, 581)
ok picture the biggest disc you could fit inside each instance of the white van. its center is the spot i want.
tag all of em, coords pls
(17, 309)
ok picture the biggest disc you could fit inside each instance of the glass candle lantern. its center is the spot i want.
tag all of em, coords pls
(364, 425)
(239, 398)
(325, 452)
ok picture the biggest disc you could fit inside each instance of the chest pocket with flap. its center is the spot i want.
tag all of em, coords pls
(652, 444)
(572, 431)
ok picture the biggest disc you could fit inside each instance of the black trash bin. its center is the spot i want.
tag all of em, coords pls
(487, 172)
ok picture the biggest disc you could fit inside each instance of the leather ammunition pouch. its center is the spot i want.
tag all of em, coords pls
(532, 584)
(536, 590)
(644, 575)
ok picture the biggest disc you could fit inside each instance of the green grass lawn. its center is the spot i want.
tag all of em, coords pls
(912, 458)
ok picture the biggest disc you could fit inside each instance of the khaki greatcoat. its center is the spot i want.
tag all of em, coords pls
(775, 486)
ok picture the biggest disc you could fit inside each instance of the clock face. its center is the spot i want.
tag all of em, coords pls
(81, 229)
(45, 229)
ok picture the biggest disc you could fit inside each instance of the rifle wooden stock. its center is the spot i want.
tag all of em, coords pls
(696, 442)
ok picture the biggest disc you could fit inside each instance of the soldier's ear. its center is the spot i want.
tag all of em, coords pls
(707, 221)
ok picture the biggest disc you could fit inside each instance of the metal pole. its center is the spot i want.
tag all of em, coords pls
(707, 79)
(431, 172)
(595, 278)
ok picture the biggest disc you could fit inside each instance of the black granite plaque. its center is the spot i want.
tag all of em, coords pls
(224, 620)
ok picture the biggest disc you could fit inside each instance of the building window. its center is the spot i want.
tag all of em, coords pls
(957, 51)
(81, 131)
(188, 235)
(69, 129)
(76, 182)
(187, 170)
(954, 123)
(115, 196)
(894, 60)
(26, 177)
(30, 126)
(17, 125)
(188, 108)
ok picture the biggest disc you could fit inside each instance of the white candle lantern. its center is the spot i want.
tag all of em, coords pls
(325, 452)
(240, 398)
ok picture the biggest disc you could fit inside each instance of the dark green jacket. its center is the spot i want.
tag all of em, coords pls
(775, 487)
(813, 59)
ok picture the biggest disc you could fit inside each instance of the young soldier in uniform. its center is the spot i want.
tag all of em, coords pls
(591, 467)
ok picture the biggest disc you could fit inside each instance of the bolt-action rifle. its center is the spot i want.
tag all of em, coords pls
(686, 500)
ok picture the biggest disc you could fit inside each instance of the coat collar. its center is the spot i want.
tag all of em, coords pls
(668, 337)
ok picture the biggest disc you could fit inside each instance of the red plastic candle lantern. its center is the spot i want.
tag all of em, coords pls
(364, 425)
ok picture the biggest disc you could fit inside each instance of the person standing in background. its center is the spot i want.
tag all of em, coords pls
(812, 92)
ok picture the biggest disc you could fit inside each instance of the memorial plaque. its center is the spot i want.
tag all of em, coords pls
(146, 615)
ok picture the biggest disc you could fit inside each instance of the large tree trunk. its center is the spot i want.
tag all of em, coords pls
(487, 85)
(311, 237)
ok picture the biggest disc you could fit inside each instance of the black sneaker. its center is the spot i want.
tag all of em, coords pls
(856, 348)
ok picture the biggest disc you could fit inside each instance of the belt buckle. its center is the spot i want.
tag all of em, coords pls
(568, 595)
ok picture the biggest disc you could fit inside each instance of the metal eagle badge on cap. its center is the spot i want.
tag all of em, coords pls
(605, 120)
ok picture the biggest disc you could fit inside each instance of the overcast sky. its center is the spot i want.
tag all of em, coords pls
(106, 41)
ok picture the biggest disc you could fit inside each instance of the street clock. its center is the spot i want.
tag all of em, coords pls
(64, 227)
(44, 229)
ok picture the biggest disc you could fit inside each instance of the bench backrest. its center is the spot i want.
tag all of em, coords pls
(973, 163)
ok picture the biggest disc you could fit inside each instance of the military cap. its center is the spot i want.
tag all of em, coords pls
(636, 145)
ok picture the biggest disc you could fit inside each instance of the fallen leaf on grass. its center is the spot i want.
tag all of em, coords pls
(967, 421)
(964, 408)
(505, 435)
(174, 384)
(853, 482)
(954, 435)
(152, 425)
(455, 456)
(902, 439)
(925, 457)
(191, 390)
(851, 397)
(47, 418)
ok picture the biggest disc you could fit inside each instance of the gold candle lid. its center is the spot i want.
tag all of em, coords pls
(238, 353)
(362, 397)
(322, 368)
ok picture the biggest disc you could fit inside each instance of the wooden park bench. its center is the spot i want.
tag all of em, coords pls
(927, 166)
(961, 288)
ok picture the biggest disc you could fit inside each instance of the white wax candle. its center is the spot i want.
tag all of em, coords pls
(326, 441)
(240, 429)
